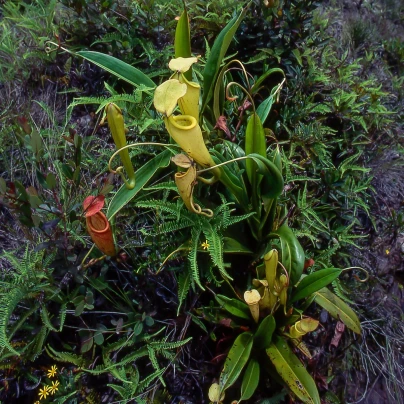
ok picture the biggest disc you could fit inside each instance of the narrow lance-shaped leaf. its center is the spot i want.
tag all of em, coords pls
(217, 54)
(250, 380)
(254, 143)
(234, 306)
(236, 360)
(292, 371)
(314, 282)
(292, 253)
(118, 68)
(264, 108)
(265, 76)
(182, 41)
(338, 309)
(144, 174)
(272, 184)
(263, 335)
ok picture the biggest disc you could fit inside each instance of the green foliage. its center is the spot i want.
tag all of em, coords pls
(25, 28)
(254, 186)
(25, 282)
(174, 218)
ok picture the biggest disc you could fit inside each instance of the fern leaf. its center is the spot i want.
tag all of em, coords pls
(184, 284)
(151, 378)
(46, 320)
(38, 343)
(8, 303)
(162, 186)
(216, 249)
(62, 318)
(155, 364)
(164, 206)
(163, 345)
(192, 256)
(68, 357)
(237, 219)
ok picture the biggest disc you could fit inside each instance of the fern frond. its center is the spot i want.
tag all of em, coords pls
(170, 185)
(155, 364)
(173, 226)
(62, 318)
(122, 391)
(164, 345)
(151, 378)
(216, 249)
(192, 256)
(109, 37)
(184, 284)
(8, 302)
(340, 292)
(37, 344)
(164, 206)
(46, 320)
(237, 219)
(68, 357)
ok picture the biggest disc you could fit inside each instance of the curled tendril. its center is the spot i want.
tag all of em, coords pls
(169, 256)
(278, 90)
(245, 91)
(223, 164)
(49, 49)
(284, 270)
(242, 68)
(357, 278)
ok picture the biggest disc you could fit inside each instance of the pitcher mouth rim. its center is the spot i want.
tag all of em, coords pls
(189, 118)
(104, 218)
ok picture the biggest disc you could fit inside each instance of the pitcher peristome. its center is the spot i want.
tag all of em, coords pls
(100, 231)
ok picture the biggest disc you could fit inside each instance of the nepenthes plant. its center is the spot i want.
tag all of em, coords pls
(227, 189)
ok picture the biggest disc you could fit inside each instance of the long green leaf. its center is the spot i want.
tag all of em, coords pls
(264, 108)
(236, 360)
(232, 246)
(263, 335)
(217, 54)
(250, 380)
(182, 41)
(254, 143)
(314, 282)
(292, 252)
(272, 184)
(234, 306)
(143, 176)
(118, 68)
(264, 76)
(338, 309)
(292, 371)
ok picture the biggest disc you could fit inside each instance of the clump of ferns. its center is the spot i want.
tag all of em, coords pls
(173, 217)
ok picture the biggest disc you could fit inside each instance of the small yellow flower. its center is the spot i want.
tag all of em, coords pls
(44, 392)
(54, 388)
(205, 245)
(37, 402)
(52, 371)
(387, 252)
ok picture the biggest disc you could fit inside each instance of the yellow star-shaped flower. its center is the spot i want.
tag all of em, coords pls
(52, 371)
(54, 388)
(205, 245)
(44, 392)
